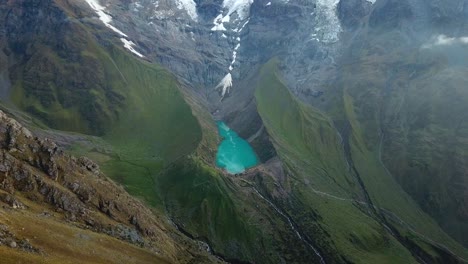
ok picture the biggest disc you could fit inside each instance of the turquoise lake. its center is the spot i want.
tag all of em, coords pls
(235, 155)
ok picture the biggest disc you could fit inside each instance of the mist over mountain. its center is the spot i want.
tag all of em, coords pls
(238, 131)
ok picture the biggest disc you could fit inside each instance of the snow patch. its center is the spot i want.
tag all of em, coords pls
(137, 7)
(190, 7)
(103, 16)
(219, 27)
(242, 10)
(128, 44)
(234, 57)
(245, 24)
(330, 26)
(241, 7)
(218, 23)
(225, 84)
(226, 19)
(106, 19)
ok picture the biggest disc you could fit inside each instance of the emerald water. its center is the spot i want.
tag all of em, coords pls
(235, 154)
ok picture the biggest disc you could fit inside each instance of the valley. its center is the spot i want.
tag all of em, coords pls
(343, 138)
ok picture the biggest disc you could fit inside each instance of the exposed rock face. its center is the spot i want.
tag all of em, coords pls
(38, 171)
(352, 12)
(9, 239)
(235, 37)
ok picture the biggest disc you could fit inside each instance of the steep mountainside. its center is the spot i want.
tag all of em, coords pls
(407, 85)
(332, 175)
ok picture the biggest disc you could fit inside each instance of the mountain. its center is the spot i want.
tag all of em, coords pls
(356, 109)
(62, 209)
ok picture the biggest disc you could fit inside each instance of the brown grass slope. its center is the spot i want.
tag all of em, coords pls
(60, 209)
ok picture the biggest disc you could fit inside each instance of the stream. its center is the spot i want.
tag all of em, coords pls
(293, 228)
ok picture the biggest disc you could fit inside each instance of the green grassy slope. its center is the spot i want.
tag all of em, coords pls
(155, 127)
(62, 77)
(73, 77)
(226, 213)
(409, 104)
(202, 202)
(308, 144)
(431, 145)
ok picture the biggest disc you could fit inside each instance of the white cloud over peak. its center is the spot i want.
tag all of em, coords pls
(443, 40)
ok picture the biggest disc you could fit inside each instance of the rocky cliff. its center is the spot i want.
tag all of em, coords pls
(47, 194)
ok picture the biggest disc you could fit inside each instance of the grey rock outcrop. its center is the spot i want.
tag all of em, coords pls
(35, 171)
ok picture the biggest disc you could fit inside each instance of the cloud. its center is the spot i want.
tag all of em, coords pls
(443, 40)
